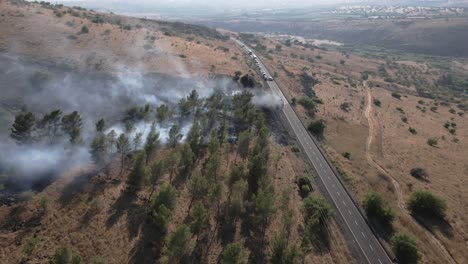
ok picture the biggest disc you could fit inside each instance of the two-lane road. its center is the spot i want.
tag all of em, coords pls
(347, 210)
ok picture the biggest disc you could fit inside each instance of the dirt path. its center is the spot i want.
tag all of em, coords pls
(396, 184)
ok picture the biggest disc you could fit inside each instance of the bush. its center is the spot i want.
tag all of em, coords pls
(432, 142)
(405, 248)
(377, 102)
(418, 173)
(412, 131)
(374, 206)
(307, 103)
(396, 95)
(317, 128)
(247, 81)
(65, 256)
(404, 119)
(424, 203)
(84, 30)
(30, 244)
(347, 155)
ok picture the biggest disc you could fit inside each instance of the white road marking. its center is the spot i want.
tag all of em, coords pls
(355, 222)
(343, 202)
(337, 192)
(363, 234)
(379, 261)
(371, 247)
(349, 211)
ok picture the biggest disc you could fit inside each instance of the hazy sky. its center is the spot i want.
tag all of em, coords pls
(219, 3)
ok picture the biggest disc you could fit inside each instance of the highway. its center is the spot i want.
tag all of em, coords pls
(346, 209)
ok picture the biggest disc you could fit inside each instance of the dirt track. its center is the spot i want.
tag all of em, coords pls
(400, 199)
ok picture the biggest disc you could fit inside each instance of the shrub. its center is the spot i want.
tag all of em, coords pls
(412, 131)
(65, 256)
(418, 173)
(317, 128)
(405, 248)
(374, 206)
(432, 142)
(377, 102)
(30, 243)
(84, 30)
(347, 155)
(404, 119)
(396, 95)
(424, 203)
(307, 103)
(345, 106)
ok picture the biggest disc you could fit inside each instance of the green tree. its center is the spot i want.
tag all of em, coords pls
(172, 163)
(50, 123)
(123, 148)
(405, 249)
(100, 126)
(137, 141)
(99, 149)
(167, 196)
(197, 186)
(375, 207)
(152, 142)
(72, 125)
(178, 245)
(317, 128)
(199, 219)
(161, 207)
(281, 252)
(111, 139)
(316, 212)
(186, 160)
(138, 172)
(23, 128)
(424, 203)
(263, 204)
(162, 113)
(234, 253)
(65, 255)
(193, 100)
(194, 138)
(237, 200)
(243, 144)
(174, 136)
(157, 170)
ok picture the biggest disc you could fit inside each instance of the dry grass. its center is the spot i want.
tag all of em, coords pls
(394, 147)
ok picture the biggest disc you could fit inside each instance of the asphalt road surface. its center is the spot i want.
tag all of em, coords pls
(347, 210)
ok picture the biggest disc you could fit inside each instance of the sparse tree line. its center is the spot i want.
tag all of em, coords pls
(421, 204)
(222, 163)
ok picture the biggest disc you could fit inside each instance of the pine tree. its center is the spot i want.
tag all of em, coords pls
(72, 125)
(123, 148)
(100, 126)
(50, 123)
(152, 143)
(186, 160)
(174, 136)
(137, 141)
(199, 219)
(178, 245)
(243, 144)
(198, 187)
(23, 128)
(234, 253)
(138, 172)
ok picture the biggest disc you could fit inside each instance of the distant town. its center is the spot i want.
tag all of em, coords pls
(385, 12)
